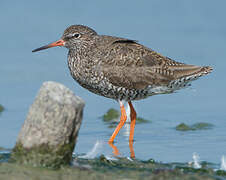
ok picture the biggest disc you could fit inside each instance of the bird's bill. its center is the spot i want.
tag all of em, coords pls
(57, 43)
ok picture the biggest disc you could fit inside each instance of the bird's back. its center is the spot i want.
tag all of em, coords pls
(129, 64)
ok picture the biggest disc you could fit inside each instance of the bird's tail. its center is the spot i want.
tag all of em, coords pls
(189, 74)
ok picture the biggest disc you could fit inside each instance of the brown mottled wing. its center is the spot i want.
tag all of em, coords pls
(133, 66)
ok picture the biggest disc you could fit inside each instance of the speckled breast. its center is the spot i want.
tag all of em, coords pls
(95, 82)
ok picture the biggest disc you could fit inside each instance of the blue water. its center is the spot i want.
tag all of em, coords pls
(192, 31)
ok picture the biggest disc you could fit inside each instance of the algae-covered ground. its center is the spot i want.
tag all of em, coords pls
(103, 168)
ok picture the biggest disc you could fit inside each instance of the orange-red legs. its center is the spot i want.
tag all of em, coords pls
(132, 153)
(121, 123)
(133, 116)
(115, 149)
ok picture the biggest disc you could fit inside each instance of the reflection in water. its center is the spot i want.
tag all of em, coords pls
(127, 112)
(116, 151)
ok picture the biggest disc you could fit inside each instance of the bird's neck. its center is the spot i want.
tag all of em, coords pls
(80, 60)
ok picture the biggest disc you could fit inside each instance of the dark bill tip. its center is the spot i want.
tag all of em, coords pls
(57, 43)
(41, 48)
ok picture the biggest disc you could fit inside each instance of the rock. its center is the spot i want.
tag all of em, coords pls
(49, 133)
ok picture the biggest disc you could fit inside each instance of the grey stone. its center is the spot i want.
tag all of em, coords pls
(49, 133)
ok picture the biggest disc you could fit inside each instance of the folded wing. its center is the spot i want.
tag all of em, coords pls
(134, 66)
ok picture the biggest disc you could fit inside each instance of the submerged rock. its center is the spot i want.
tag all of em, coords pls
(49, 133)
(193, 127)
(183, 127)
(112, 116)
(1, 108)
(202, 125)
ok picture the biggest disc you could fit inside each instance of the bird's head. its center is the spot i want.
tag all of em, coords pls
(74, 37)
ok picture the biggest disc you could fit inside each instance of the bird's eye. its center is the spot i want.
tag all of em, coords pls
(70, 36)
(76, 35)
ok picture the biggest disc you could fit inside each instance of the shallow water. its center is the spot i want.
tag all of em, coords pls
(187, 31)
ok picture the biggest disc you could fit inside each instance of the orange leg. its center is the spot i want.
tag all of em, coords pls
(121, 123)
(115, 149)
(132, 153)
(133, 116)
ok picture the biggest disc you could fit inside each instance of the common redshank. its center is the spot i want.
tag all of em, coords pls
(122, 69)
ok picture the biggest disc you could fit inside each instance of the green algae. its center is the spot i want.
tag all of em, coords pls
(112, 115)
(202, 125)
(183, 127)
(221, 173)
(194, 127)
(1, 108)
(43, 155)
